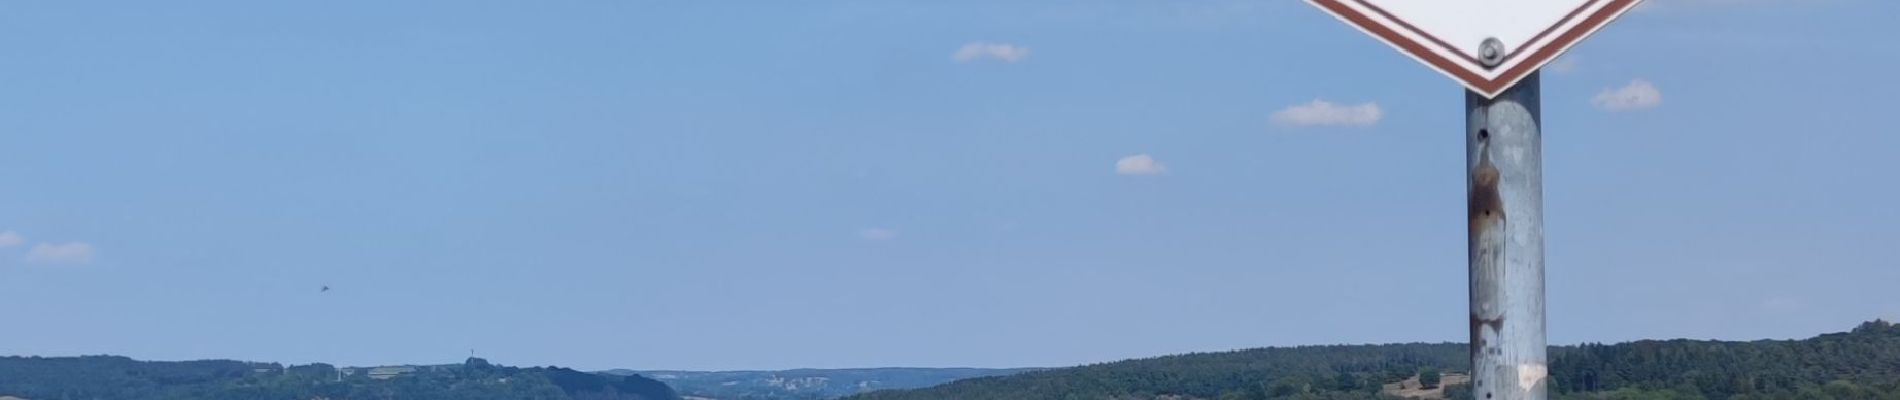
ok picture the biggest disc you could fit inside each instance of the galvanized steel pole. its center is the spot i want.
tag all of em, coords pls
(1504, 179)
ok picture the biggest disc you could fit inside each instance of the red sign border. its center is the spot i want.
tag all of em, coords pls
(1488, 87)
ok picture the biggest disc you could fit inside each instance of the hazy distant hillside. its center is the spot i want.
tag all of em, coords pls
(808, 383)
(1861, 364)
(1357, 372)
(120, 378)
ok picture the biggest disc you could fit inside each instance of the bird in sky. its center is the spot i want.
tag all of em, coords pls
(325, 289)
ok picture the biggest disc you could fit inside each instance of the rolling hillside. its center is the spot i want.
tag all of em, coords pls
(120, 378)
(1860, 364)
(808, 383)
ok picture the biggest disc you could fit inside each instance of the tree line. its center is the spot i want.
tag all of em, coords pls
(1863, 363)
(111, 377)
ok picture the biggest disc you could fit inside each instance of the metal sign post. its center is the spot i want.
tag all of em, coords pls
(1495, 49)
(1505, 181)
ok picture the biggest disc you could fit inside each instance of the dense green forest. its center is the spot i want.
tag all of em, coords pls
(1861, 364)
(806, 384)
(1319, 372)
(106, 377)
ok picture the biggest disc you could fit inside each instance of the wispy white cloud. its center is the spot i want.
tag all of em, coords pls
(61, 253)
(1139, 164)
(1324, 113)
(1637, 95)
(877, 233)
(10, 239)
(996, 51)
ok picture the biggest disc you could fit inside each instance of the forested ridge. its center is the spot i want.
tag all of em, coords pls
(1863, 363)
(806, 383)
(116, 378)
(1860, 364)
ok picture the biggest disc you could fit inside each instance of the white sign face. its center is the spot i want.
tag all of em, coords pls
(1451, 35)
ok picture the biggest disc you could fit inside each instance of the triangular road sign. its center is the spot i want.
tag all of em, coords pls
(1486, 44)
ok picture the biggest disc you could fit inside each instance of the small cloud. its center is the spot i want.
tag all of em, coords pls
(1638, 95)
(877, 233)
(1139, 164)
(60, 253)
(1323, 113)
(998, 51)
(10, 239)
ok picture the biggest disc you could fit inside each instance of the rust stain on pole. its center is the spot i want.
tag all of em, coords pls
(1487, 220)
(1505, 182)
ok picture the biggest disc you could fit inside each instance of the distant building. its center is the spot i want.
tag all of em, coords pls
(265, 368)
(390, 372)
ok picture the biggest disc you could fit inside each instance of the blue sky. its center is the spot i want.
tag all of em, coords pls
(732, 185)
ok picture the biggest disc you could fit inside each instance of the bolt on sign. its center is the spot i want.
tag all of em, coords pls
(1488, 45)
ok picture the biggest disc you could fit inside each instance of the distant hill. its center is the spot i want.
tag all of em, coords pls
(1861, 364)
(110, 377)
(1358, 371)
(808, 383)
